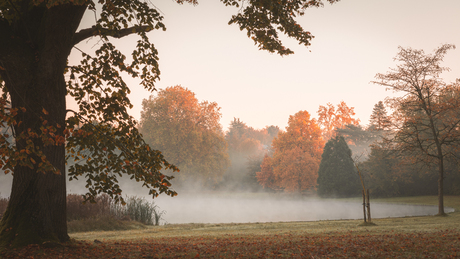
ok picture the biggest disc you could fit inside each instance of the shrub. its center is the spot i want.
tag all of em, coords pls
(337, 175)
(76, 210)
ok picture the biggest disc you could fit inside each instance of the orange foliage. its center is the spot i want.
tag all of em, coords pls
(297, 154)
(187, 132)
(296, 170)
(326, 116)
(265, 177)
(330, 118)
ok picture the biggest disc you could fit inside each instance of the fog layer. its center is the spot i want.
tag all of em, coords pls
(205, 209)
(218, 207)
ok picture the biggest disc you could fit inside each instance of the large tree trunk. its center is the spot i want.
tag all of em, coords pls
(37, 208)
(34, 59)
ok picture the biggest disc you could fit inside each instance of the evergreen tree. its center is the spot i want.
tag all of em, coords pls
(337, 176)
(379, 119)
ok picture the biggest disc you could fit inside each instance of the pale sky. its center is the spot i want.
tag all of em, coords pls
(354, 40)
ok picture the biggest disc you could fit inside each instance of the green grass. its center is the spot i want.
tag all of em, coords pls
(407, 237)
(405, 224)
(449, 201)
(102, 223)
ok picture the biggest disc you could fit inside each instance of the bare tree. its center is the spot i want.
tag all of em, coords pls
(426, 117)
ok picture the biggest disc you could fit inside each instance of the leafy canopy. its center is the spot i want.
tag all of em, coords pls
(296, 156)
(331, 118)
(101, 133)
(426, 117)
(188, 132)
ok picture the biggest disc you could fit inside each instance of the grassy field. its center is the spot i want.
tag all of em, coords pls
(408, 237)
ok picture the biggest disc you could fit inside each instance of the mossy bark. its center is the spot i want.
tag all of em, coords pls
(33, 52)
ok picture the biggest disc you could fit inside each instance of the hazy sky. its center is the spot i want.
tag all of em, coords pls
(354, 40)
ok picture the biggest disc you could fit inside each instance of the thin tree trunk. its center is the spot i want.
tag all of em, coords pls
(368, 205)
(441, 188)
(364, 205)
(440, 154)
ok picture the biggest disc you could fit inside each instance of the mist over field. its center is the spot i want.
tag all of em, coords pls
(250, 208)
(197, 205)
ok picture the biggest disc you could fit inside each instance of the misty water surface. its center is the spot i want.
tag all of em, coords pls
(215, 207)
(205, 209)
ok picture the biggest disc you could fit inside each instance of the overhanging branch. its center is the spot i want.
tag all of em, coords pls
(95, 31)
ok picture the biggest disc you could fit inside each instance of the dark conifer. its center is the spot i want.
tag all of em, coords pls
(337, 175)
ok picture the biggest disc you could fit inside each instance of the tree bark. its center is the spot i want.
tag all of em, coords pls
(34, 55)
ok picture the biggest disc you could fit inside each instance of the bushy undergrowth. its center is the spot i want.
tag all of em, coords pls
(76, 210)
(106, 213)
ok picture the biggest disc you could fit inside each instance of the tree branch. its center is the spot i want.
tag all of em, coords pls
(94, 31)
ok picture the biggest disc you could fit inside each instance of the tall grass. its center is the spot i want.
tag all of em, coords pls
(138, 209)
(106, 211)
(106, 215)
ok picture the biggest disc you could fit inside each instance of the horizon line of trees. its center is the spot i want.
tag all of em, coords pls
(270, 159)
(175, 122)
(398, 154)
(189, 134)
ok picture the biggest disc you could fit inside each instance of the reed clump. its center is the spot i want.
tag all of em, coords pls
(107, 215)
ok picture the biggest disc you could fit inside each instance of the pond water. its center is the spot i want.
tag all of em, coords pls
(218, 207)
(201, 209)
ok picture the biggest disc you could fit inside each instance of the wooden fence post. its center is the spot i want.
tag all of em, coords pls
(368, 207)
(364, 206)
